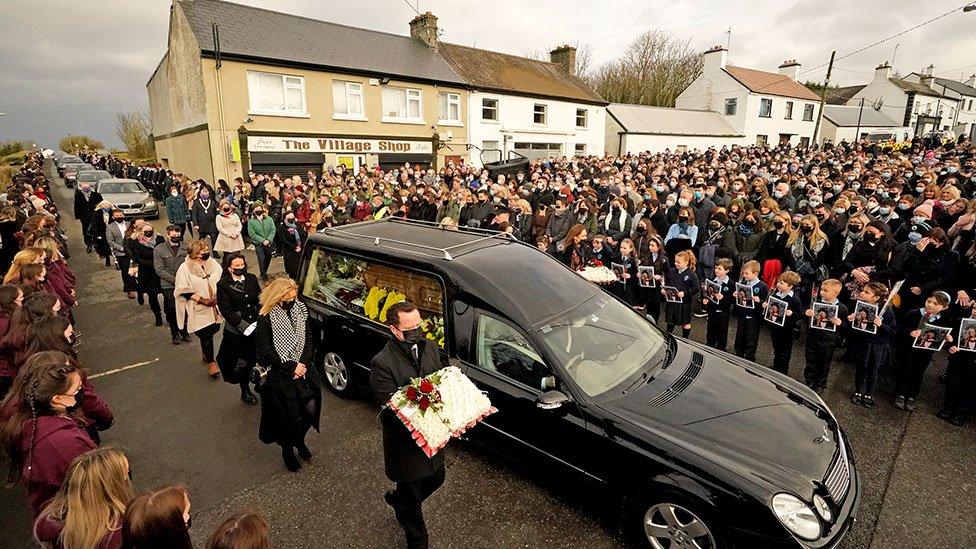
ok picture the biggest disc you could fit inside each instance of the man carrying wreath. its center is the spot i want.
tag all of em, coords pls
(407, 356)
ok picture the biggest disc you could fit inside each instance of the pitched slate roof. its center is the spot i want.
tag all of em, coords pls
(847, 116)
(642, 119)
(281, 38)
(770, 83)
(919, 89)
(840, 96)
(494, 71)
(958, 87)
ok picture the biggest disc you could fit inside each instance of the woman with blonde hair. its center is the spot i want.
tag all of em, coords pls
(773, 252)
(86, 512)
(291, 400)
(21, 258)
(196, 299)
(809, 246)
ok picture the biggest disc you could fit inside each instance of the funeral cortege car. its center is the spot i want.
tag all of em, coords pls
(699, 448)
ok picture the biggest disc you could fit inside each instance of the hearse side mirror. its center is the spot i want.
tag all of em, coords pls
(551, 400)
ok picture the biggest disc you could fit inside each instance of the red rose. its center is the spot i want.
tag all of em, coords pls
(426, 386)
(424, 403)
(411, 393)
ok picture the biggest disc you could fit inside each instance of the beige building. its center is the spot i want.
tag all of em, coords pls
(242, 89)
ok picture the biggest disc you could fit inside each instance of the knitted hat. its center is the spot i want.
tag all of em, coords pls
(720, 217)
(924, 209)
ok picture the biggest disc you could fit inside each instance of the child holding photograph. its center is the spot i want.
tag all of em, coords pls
(960, 384)
(626, 287)
(754, 291)
(717, 331)
(683, 278)
(821, 342)
(655, 258)
(914, 360)
(781, 335)
(873, 348)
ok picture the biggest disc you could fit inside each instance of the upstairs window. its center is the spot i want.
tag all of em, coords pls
(765, 108)
(808, 112)
(489, 109)
(789, 110)
(450, 107)
(730, 105)
(539, 113)
(276, 94)
(401, 105)
(580, 118)
(347, 99)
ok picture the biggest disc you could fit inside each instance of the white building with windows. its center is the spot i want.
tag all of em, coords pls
(534, 108)
(917, 106)
(764, 107)
(963, 121)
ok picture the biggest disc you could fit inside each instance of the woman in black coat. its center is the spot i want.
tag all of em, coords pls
(291, 238)
(291, 400)
(96, 230)
(140, 248)
(237, 300)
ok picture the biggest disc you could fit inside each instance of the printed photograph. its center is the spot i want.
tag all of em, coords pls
(967, 335)
(743, 296)
(619, 271)
(645, 277)
(775, 311)
(671, 294)
(864, 314)
(931, 338)
(823, 314)
(713, 291)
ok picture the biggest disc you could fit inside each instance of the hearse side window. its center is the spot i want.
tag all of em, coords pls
(503, 349)
(367, 289)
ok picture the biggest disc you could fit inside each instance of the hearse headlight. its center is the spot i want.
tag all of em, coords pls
(796, 516)
(820, 504)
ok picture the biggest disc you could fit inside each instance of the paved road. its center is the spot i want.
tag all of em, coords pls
(918, 473)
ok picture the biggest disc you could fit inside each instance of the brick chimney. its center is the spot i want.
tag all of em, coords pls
(789, 68)
(714, 59)
(424, 28)
(882, 72)
(926, 79)
(565, 57)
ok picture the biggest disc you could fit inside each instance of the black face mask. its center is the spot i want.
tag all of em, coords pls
(239, 272)
(175, 239)
(413, 336)
(778, 224)
(870, 237)
(119, 219)
(79, 397)
(805, 229)
(205, 256)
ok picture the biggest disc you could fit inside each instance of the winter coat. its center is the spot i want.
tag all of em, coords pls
(261, 229)
(205, 215)
(58, 441)
(144, 256)
(177, 211)
(229, 233)
(166, 263)
(559, 225)
(85, 206)
(48, 530)
(192, 278)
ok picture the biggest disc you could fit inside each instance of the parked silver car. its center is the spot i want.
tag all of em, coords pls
(71, 172)
(129, 196)
(92, 177)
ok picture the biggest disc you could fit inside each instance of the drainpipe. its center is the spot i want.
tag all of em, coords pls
(220, 103)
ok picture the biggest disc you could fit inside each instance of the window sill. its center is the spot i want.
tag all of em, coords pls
(490, 121)
(581, 128)
(769, 116)
(352, 117)
(391, 120)
(452, 123)
(284, 114)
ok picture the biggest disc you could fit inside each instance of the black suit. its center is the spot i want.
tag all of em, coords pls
(84, 210)
(416, 475)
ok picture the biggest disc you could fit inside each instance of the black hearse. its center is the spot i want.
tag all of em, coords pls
(703, 448)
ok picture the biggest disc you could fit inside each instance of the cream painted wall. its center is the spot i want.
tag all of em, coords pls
(187, 154)
(318, 103)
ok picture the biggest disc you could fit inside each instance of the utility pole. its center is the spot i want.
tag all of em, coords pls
(857, 132)
(823, 97)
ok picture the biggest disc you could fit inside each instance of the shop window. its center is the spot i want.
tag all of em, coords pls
(449, 108)
(368, 289)
(276, 94)
(347, 100)
(402, 105)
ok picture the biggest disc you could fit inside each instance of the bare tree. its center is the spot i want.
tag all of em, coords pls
(654, 69)
(135, 131)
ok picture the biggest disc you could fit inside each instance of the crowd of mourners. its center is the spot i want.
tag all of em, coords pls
(763, 236)
(80, 494)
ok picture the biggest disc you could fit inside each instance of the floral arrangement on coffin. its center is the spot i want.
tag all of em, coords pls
(597, 273)
(433, 329)
(378, 301)
(440, 406)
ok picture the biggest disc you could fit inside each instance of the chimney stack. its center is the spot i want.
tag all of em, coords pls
(972, 81)
(714, 59)
(882, 72)
(565, 57)
(424, 28)
(789, 68)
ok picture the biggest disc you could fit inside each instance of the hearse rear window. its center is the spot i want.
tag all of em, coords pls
(368, 289)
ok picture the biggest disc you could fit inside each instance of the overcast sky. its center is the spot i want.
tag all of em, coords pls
(68, 66)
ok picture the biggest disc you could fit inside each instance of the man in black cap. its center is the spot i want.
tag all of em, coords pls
(407, 356)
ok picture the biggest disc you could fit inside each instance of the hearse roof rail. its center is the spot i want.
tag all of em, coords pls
(448, 253)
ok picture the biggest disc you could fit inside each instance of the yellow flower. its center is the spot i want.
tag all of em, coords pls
(371, 306)
(391, 298)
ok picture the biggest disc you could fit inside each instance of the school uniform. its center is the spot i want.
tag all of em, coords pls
(717, 327)
(651, 298)
(819, 352)
(686, 281)
(873, 351)
(911, 368)
(749, 321)
(627, 289)
(960, 384)
(782, 336)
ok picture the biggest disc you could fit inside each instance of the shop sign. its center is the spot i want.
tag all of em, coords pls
(263, 143)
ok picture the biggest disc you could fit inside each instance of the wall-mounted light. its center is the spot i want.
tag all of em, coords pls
(385, 80)
(248, 120)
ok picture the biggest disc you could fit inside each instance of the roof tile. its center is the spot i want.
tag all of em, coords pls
(770, 83)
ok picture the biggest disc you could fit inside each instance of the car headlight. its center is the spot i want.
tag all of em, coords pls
(796, 516)
(150, 203)
(820, 504)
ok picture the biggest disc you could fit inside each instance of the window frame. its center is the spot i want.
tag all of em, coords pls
(362, 101)
(585, 116)
(579, 149)
(789, 111)
(479, 315)
(496, 109)
(769, 112)
(544, 114)
(441, 120)
(285, 111)
(418, 96)
(811, 108)
(731, 102)
(765, 139)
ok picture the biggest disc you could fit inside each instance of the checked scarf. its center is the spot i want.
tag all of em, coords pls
(288, 331)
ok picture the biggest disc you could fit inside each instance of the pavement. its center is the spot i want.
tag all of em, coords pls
(918, 473)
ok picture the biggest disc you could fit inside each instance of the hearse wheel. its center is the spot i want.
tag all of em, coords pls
(337, 374)
(672, 521)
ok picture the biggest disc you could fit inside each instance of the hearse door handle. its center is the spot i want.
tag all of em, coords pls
(346, 329)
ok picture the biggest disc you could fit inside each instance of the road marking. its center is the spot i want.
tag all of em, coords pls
(124, 368)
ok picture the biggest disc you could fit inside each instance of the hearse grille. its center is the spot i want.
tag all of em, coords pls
(683, 382)
(838, 479)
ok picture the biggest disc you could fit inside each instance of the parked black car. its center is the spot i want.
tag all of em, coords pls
(700, 448)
